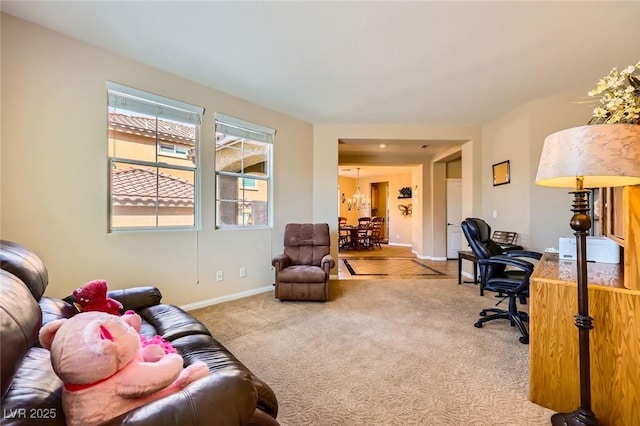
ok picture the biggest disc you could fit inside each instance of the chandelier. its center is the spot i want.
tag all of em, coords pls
(358, 201)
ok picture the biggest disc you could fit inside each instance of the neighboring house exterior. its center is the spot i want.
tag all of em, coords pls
(141, 195)
(236, 155)
(137, 193)
(155, 196)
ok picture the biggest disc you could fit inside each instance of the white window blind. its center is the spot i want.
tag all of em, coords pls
(142, 102)
(243, 129)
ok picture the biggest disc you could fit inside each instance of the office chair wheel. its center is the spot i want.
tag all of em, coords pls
(524, 340)
(478, 324)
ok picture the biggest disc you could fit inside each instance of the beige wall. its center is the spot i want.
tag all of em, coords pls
(399, 225)
(540, 215)
(454, 169)
(348, 187)
(507, 139)
(54, 174)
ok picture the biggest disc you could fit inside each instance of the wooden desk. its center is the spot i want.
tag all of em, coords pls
(615, 341)
(467, 255)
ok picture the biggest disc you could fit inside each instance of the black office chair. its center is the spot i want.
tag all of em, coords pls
(511, 283)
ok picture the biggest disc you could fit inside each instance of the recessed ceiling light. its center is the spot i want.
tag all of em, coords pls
(382, 145)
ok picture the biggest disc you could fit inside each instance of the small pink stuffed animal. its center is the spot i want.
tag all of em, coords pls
(93, 297)
(98, 356)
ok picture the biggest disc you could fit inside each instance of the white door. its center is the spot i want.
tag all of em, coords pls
(454, 217)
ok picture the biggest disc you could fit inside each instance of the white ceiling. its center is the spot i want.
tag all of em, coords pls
(433, 63)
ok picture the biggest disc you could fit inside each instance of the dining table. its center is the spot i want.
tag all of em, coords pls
(353, 242)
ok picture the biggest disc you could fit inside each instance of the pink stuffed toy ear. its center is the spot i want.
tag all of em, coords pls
(98, 337)
(133, 319)
(48, 332)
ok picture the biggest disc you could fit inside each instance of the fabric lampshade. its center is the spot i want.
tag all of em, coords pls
(604, 155)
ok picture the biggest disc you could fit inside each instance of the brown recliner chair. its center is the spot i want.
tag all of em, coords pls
(302, 271)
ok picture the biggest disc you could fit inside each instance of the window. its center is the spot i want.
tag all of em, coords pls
(153, 144)
(243, 158)
(249, 183)
(173, 150)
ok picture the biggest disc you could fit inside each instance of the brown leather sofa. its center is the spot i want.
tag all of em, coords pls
(31, 391)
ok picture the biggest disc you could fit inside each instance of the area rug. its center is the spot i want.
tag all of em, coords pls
(388, 266)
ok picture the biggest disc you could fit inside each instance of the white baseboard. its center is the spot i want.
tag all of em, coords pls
(227, 298)
(468, 275)
(435, 259)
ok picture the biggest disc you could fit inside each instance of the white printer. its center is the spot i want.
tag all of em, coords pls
(599, 249)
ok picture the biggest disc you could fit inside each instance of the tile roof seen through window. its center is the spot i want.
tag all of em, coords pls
(146, 126)
(141, 187)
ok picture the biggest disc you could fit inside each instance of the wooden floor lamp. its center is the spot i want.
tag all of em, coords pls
(592, 156)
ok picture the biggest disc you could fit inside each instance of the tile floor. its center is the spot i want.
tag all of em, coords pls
(393, 262)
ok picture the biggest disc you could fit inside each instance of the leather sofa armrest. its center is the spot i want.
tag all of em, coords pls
(260, 418)
(54, 309)
(222, 398)
(136, 298)
(133, 298)
(327, 263)
(280, 262)
(267, 401)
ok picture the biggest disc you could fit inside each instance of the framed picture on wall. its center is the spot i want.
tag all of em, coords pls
(501, 173)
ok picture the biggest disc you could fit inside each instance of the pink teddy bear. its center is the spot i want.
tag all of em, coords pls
(105, 372)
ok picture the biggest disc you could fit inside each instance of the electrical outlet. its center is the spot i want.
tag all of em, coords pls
(243, 272)
(219, 275)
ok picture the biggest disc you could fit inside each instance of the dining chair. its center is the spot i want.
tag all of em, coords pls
(344, 235)
(365, 230)
(376, 232)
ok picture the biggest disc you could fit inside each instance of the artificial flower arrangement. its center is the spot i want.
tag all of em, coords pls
(619, 94)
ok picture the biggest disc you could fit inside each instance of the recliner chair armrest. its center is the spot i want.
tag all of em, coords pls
(327, 260)
(280, 262)
(222, 398)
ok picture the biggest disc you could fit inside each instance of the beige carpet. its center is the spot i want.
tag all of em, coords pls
(382, 352)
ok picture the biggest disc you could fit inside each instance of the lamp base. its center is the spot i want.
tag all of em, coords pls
(580, 417)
